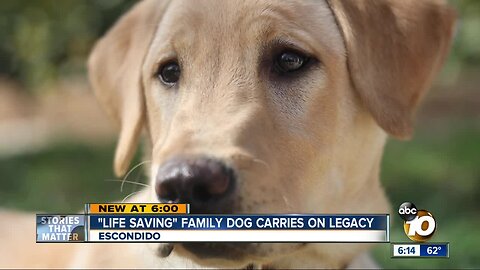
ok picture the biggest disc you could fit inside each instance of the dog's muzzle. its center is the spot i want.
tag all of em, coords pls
(206, 184)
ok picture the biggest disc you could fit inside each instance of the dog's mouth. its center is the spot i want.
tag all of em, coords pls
(225, 251)
(228, 254)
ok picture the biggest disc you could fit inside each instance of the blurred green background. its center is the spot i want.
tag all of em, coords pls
(43, 48)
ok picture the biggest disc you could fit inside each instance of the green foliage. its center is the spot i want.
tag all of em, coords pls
(44, 40)
(465, 53)
(441, 174)
(467, 40)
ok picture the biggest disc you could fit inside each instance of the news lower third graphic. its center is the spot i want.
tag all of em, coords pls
(170, 223)
(419, 226)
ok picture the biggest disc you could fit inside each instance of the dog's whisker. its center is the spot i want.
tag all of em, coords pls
(287, 202)
(130, 195)
(131, 170)
(128, 182)
(246, 160)
(256, 160)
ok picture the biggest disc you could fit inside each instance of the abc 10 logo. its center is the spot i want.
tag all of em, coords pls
(419, 225)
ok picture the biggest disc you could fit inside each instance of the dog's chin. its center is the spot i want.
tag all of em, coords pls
(236, 255)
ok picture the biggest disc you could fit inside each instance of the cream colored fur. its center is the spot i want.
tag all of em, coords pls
(312, 144)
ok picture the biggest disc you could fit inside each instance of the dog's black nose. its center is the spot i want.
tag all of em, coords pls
(205, 183)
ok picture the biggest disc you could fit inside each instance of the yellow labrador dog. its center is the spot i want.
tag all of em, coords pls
(256, 107)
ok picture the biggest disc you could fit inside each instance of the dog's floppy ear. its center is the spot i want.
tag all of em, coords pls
(115, 66)
(394, 48)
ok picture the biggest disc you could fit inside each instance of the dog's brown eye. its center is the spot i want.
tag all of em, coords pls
(289, 61)
(169, 73)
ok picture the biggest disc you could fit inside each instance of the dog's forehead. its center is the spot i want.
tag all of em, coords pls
(250, 21)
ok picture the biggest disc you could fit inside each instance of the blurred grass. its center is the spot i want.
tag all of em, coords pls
(440, 173)
(61, 179)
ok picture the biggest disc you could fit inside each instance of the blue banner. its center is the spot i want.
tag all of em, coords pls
(239, 222)
(434, 250)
